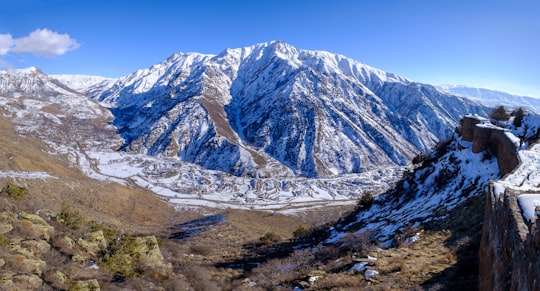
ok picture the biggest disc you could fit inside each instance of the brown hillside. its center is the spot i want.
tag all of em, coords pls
(108, 202)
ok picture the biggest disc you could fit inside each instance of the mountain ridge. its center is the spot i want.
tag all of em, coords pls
(493, 97)
(267, 126)
(242, 95)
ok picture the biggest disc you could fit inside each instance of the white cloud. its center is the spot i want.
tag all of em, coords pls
(6, 42)
(44, 42)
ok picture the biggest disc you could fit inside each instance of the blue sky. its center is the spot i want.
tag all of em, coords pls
(493, 44)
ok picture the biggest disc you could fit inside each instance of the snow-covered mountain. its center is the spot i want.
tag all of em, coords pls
(240, 129)
(272, 109)
(41, 106)
(492, 97)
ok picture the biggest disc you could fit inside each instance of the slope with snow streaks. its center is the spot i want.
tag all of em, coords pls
(41, 106)
(314, 113)
(445, 182)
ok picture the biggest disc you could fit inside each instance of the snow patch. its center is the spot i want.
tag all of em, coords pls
(529, 204)
(26, 175)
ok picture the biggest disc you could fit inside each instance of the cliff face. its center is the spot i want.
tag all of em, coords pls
(510, 247)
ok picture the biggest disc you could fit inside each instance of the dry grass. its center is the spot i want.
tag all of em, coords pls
(100, 201)
(418, 262)
(341, 281)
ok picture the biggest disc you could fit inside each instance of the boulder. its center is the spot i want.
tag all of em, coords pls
(27, 282)
(88, 285)
(7, 283)
(66, 245)
(93, 243)
(57, 279)
(5, 227)
(33, 218)
(37, 248)
(25, 265)
(29, 229)
(17, 248)
(47, 213)
(151, 257)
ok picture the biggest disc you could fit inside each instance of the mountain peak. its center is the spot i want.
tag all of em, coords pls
(25, 71)
(246, 110)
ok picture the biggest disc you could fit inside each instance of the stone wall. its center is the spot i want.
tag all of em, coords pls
(486, 136)
(504, 149)
(468, 123)
(510, 247)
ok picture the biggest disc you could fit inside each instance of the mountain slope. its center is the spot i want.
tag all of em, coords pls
(79, 128)
(272, 109)
(42, 107)
(447, 179)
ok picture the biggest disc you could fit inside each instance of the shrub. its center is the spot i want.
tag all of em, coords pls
(200, 249)
(300, 232)
(274, 272)
(356, 242)
(365, 201)
(199, 278)
(55, 258)
(108, 233)
(14, 191)
(122, 257)
(70, 218)
(269, 237)
(499, 113)
(419, 159)
(3, 241)
(518, 117)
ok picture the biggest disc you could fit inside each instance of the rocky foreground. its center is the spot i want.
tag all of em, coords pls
(64, 251)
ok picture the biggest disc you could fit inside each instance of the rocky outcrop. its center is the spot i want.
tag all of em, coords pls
(38, 251)
(510, 247)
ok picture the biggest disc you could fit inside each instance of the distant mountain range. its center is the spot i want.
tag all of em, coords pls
(493, 97)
